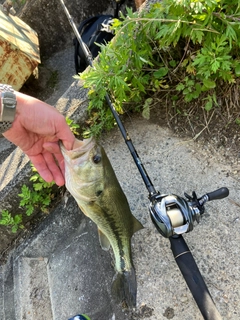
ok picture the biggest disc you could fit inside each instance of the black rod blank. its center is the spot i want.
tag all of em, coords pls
(194, 279)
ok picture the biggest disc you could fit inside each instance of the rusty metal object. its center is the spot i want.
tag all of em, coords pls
(19, 50)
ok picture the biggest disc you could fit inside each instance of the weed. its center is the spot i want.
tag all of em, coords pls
(38, 196)
(14, 222)
(185, 48)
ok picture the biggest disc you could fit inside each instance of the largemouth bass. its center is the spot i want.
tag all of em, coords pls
(91, 180)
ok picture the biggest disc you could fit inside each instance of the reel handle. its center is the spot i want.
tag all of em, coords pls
(218, 194)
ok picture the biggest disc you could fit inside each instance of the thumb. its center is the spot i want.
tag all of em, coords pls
(68, 144)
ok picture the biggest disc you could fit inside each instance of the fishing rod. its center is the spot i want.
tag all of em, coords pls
(125, 135)
(172, 215)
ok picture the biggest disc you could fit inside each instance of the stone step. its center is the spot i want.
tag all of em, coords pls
(33, 287)
(48, 275)
(6, 148)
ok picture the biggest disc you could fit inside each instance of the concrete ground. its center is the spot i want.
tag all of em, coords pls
(61, 270)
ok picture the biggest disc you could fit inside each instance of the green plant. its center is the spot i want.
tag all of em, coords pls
(190, 89)
(237, 121)
(39, 195)
(14, 222)
(188, 49)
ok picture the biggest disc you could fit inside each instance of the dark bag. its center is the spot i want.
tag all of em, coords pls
(92, 30)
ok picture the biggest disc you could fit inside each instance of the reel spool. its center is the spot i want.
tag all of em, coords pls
(176, 217)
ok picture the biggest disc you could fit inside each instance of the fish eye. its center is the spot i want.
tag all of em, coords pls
(97, 158)
(98, 193)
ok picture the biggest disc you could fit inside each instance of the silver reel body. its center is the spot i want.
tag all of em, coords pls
(173, 215)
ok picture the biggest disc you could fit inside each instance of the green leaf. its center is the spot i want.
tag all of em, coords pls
(173, 63)
(145, 61)
(25, 191)
(160, 73)
(180, 87)
(30, 210)
(146, 108)
(237, 121)
(18, 218)
(189, 97)
(190, 83)
(230, 33)
(198, 88)
(38, 186)
(197, 36)
(46, 201)
(174, 98)
(14, 228)
(237, 70)
(215, 66)
(4, 222)
(209, 83)
(34, 178)
(187, 90)
(209, 105)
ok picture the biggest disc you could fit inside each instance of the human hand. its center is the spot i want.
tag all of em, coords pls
(37, 129)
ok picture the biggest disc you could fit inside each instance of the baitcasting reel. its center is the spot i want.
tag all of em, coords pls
(174, 215)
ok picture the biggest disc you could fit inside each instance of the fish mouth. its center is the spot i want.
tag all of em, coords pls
(80, 147)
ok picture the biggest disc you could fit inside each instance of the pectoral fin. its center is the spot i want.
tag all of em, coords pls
(104, 242)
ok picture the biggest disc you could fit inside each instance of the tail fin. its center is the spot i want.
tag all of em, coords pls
(124, 287)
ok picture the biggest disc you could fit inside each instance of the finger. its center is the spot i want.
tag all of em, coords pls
(68, 145)
(65, 134)
(53, 167)
(41, 166)
(60, 162)
(53, 147)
